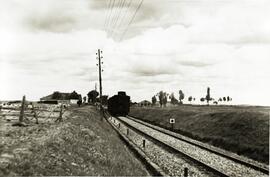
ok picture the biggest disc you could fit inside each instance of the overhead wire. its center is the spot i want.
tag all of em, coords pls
(122, 4)
(124, 15)
(107, 15)
(132, 19)
(110, 17)
(114, 13)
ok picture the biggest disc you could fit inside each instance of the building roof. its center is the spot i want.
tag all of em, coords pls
(62, 96)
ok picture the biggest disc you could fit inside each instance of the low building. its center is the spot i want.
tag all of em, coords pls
(64, 98)
(144, 103)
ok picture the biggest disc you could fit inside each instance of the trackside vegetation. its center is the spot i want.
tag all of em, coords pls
(81, 145)
(240, 129)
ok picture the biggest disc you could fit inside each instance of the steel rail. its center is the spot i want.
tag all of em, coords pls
(248, 164)
(175, 150)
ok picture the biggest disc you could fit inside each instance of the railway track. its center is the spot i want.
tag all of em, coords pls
(249, 163)
(199, 160)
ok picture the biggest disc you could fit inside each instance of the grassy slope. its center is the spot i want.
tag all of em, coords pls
(244, 130)
(81, 145)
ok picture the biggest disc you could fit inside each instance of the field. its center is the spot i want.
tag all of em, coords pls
(80, 145)
(240, 129)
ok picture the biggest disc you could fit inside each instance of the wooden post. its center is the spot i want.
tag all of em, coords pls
(127, 131)
(143, 144)
(34, 112)
(119, 125)
(22, 110)
(60, 114)
(185, 172)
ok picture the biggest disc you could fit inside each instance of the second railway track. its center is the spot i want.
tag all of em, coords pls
(172, 154)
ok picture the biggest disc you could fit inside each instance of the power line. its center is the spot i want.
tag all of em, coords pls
(125, 14)
(111, 11)
(134, 15)
(120, 9)
(115, 16)
(107, 15)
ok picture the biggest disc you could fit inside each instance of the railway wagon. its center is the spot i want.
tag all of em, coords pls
(118, 105)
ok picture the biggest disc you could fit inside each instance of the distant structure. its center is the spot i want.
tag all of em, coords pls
(60, 97)
(144, 103)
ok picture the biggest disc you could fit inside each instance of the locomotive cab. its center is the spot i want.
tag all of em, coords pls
(118, 105)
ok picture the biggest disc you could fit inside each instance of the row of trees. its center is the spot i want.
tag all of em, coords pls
(163, 98)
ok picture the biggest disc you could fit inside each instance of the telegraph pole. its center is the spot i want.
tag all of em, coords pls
(99, 57)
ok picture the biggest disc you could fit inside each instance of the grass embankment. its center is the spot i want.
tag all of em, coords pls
(81, 145)
(243, 130)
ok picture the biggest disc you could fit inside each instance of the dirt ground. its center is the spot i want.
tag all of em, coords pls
(82, 145)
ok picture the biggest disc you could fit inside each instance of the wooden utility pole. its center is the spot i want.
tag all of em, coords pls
(99, 57)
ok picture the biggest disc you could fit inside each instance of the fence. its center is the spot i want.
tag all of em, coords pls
(27, 111)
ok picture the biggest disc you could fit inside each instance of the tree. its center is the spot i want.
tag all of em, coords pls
(154, 100)
(165, 99)
(224, 98)
(173, 99)
(104, 99)
(79, 102)
(92, 96)
(162, 96)
(202, 99)
(190, 99)
(84, 99)
(181, 96)
(220, 99)
(228, 98)
(208, 97)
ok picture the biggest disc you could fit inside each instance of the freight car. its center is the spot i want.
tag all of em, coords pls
(118, 105)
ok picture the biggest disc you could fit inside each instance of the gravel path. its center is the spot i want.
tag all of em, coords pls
(172, 164)
(229, 167)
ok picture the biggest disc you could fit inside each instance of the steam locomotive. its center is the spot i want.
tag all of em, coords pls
(118, 105)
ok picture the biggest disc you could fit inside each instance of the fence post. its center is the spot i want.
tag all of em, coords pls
(61, 113)
(127, 131)
(185, 172)
(22, 110)
(34, 111)
(143, 144)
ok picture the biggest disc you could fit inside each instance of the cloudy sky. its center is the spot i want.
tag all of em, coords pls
(50, 45)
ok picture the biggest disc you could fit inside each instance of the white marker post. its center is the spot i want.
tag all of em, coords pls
(172, 121)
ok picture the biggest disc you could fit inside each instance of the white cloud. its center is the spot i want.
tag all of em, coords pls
(51, 45)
